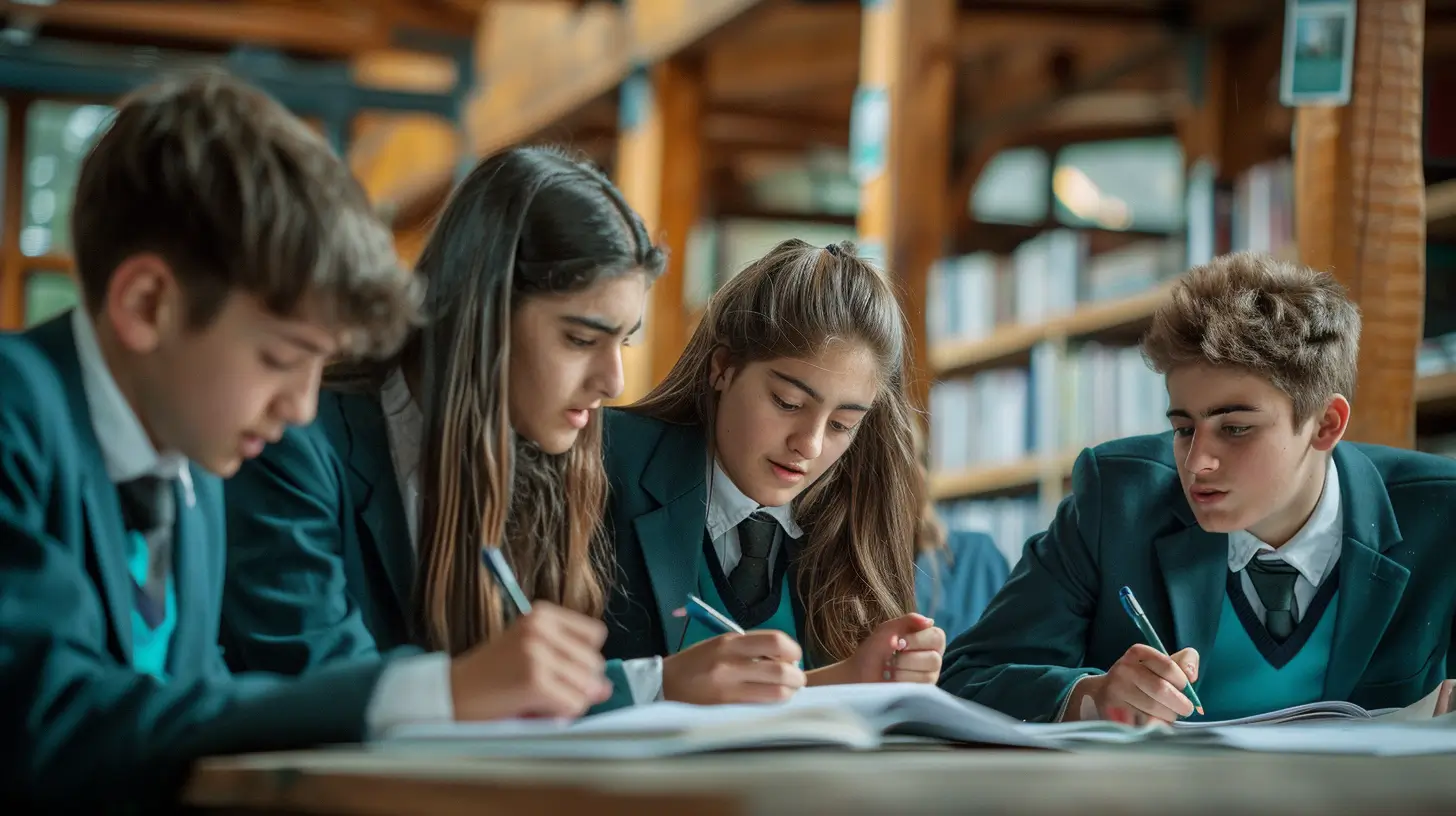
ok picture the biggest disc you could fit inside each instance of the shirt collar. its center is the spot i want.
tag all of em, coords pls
(125, 448)
(406, 422)
(1312, 550)
(728, 506)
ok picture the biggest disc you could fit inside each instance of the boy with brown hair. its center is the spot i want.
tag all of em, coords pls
(1281, 565)
(224, 254)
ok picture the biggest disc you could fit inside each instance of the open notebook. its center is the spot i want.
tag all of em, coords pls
(852, 716)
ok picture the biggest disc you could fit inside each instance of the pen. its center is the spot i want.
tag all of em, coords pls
(496, 564)
(721, 624)
(1135, 611)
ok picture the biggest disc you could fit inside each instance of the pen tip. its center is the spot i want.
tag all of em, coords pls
(1200, 711)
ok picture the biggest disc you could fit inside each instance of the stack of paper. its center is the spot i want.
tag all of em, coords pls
(865, 717)
(851, 716)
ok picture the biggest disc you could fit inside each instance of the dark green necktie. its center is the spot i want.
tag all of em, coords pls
(148, 508)
(1274, 581)
(750, 579)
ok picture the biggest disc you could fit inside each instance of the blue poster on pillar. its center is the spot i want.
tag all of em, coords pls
(1319, 52)
(869, 131)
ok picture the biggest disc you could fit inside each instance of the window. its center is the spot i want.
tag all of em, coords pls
(1125, 184)
(57, 136)
(48, 294)
(1013, 188)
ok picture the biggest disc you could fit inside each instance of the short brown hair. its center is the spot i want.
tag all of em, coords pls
(1288, 323)
(237, 194)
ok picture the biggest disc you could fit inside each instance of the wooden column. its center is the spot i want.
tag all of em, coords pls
(660, 171)
(907, 68)
(1360, 195)
(12, 260)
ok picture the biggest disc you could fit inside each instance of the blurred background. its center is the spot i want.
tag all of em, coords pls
(1032, 173)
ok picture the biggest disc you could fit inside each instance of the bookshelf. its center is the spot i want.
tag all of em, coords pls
(1115, 318)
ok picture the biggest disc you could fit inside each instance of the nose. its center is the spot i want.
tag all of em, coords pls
(607, 376)
(1201, 457)
(298, 403)
(808, 439)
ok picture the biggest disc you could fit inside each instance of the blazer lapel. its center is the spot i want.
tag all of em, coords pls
(375, 491)
(1371, 584)
(198, 572)
(1194, 563)
(671, 536)
(106, 532)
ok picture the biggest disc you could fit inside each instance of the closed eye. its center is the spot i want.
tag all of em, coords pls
(783, 404)
(580, 342)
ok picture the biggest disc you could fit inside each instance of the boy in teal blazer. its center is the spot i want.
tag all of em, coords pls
(223, 253)
(1279, 564)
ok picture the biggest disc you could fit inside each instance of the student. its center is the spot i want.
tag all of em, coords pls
(1279, 564)
(956, 573)
(772, 474)
(223, 252)
(363, 531)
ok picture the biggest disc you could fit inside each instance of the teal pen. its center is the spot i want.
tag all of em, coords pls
(1135, 611)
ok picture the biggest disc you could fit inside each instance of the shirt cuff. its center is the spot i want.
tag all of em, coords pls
(1067, 700)
(644, 679)
(411, 690)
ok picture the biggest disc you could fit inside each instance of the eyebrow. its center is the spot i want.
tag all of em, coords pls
(1236, 408)
(598, 324)
(803, 386)
(305, 344)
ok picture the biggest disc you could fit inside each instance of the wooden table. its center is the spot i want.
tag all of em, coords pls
(913, 781)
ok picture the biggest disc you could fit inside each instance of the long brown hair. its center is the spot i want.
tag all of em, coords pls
(857, 566)
(524, 222)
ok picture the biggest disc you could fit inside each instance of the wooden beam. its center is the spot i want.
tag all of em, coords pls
(978, 30)
(12, 272)
(1359, 181)
(908, 50)
(543, 61)
(660, 172)
(288, 27)
(792, 52)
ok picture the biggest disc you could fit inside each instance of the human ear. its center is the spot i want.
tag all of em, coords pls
(140, 302)
(1330, 425)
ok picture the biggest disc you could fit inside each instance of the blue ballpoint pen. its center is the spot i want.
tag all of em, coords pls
(495, 563)
(721, 624)
(1135, 611)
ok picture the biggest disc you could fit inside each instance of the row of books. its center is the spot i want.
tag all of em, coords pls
(1008, 520)
(972, 296)
(1057, 404)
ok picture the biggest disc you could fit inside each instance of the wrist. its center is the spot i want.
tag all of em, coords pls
(835, 674)
(1085, 688)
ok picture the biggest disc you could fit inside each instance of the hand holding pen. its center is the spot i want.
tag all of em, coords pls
(734, 666)
(1145, 684)
(547, 662)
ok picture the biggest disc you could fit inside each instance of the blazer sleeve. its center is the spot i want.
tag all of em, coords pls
(80, 730)
(621, 690)
(1025, 653)
(286, 607)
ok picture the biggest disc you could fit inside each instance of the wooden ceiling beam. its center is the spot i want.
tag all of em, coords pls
(980, 30)
(543, 61)
(290, 28)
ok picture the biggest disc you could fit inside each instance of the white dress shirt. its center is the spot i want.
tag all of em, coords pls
(1313, 551)
(129, 453)
(125, 447)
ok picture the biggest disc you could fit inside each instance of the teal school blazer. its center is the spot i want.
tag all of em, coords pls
(657, 515)
(1127, 523)
(81, 729)
(320, 565)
